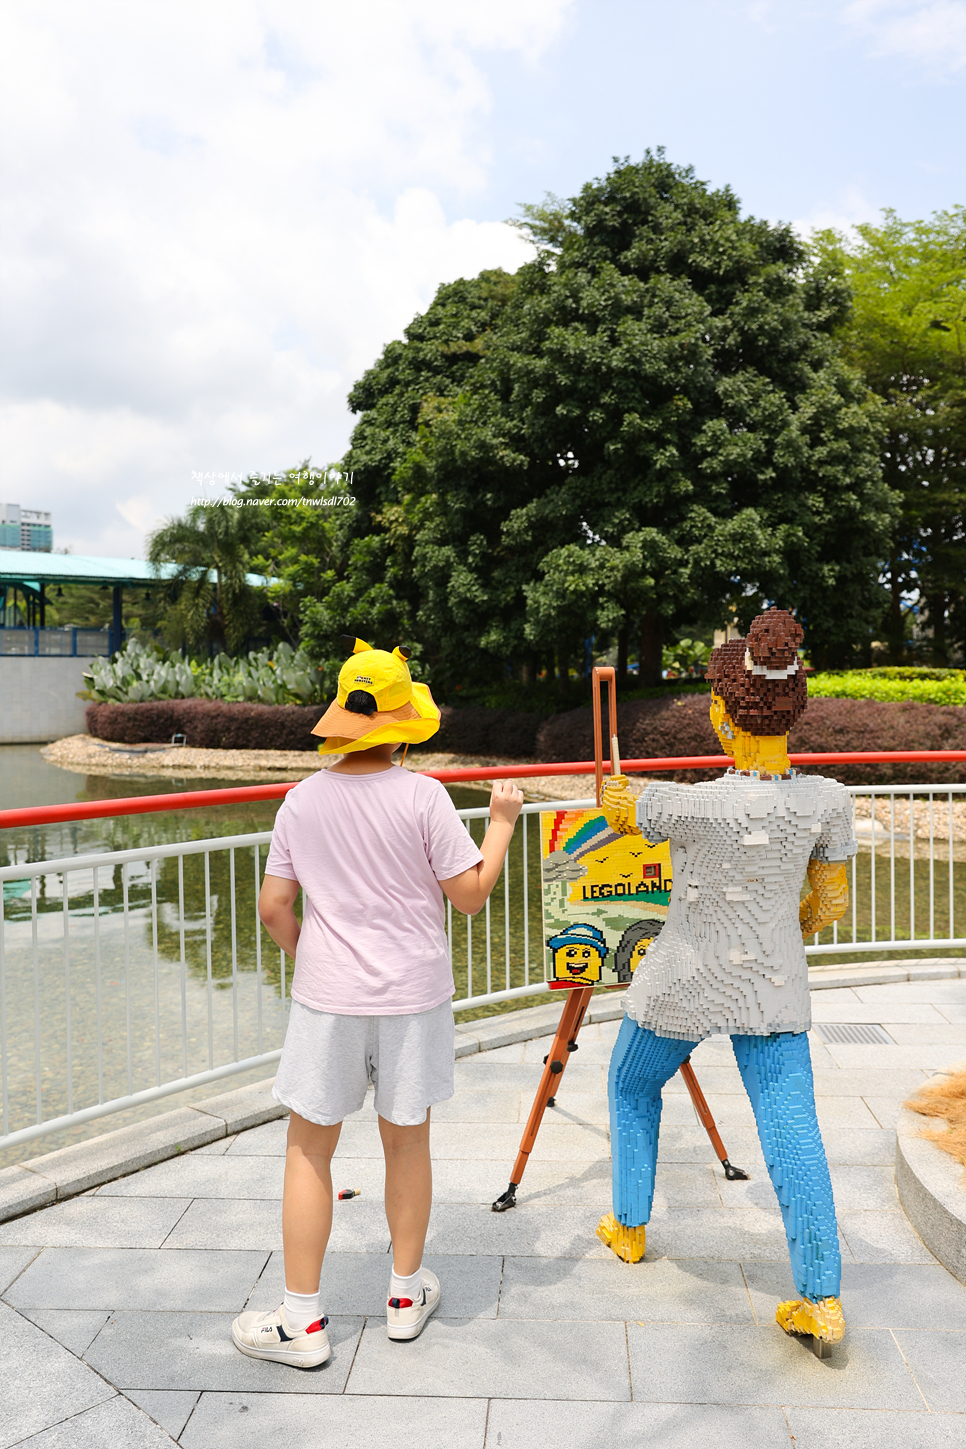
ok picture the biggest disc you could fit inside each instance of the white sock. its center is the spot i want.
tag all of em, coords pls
(301, 1309)
(400, 1287)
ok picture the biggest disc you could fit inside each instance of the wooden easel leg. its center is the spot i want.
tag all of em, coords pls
(565, 1042)
(707, 1121)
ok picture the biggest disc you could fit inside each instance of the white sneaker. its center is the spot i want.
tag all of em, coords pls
(267, 1335)
(405, 1318)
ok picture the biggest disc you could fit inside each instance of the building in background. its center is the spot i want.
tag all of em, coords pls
(26, 528)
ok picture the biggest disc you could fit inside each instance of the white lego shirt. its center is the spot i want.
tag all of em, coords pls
(730, 959)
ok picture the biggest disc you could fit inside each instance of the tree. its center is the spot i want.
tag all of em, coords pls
(906, 332)
(210, 599)
(647, 422)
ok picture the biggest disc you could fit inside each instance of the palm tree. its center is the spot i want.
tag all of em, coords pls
(212, 601)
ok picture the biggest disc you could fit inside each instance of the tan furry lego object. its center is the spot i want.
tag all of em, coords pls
(945, 1097)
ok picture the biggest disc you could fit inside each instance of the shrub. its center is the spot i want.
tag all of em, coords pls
(475, 730)
(680, 726)
(925, 686)
(207, 724)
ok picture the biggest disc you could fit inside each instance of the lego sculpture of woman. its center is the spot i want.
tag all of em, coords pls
(731, 957)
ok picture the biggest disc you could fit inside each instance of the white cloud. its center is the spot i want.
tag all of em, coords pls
(846, 212)
(932, 32)
(216, 215)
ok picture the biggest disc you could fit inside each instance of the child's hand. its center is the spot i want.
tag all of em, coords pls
(506, 802)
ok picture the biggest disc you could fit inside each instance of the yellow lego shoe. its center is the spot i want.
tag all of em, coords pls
(627, 1243)
(823, 1320)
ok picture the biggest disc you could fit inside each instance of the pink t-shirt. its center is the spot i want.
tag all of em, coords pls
(369, 852)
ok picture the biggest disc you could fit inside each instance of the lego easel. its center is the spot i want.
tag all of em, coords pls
(578, 998)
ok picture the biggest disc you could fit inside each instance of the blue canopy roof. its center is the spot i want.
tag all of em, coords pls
(24, 566)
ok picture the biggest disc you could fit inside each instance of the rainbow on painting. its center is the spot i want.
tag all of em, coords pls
(605, 898)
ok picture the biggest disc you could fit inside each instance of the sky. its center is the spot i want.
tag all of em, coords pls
(216, 214)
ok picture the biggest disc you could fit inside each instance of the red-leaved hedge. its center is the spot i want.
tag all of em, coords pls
(207, 724)
(678, 725)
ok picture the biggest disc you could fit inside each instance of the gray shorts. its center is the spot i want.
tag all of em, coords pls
(329, 1060)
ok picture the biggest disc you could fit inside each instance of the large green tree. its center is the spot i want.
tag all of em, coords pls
(647, 422)
(906, 332)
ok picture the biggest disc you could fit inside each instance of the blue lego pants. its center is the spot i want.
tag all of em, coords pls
(777, 1074)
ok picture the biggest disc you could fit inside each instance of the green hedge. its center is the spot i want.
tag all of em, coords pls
(924, 686)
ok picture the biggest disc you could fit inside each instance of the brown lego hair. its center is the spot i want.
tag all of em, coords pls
(739, 672)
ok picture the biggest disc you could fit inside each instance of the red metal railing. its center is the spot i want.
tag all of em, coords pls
(236, 795)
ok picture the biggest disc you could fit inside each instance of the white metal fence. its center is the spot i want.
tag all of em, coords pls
(128, 976)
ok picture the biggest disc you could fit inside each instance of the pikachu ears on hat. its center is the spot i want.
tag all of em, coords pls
(359, 646)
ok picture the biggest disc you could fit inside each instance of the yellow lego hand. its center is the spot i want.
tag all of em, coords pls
(828, 899)
(617, 803)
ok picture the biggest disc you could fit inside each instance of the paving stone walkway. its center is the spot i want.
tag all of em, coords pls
(116, 1305)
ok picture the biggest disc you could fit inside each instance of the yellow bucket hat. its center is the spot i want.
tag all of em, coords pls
(377, 702)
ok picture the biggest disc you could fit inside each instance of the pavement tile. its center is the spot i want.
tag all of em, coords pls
(12, 1263)
(661, 1291)
(96, 1222)
(852, 1187)
(949, 1036)
(884, 1013)
(932, 992)
(687, 1364)
(728, 1233)
(218, 1148)
(591, 1052)
(558, 1142)
(882, 1237)
(868, 1081)
(691, 1144)
(864, 1187)
(886, 1110)
(479, 1072)
(874, 1429)
(140, 1278)
(530, 1231)
(491, 1358)
(579, 1107)
(525, 1424)
(874, 1295)
(927, 1057)
(206, 1177)
(480, 1105)
(719, 1080)
(512, 1053)
(42, 1382)
(250, 1421)
(859, 1147)
(242, 1223)
(171, 1408)
(358, 1283)
(74, 1328)
(727, 1109)
(938, 1361)
(268, 1140)
(952, 1010)
(117, 1424)
(836, 1112)
(195, 1351)
(86, 1164)
(22, 1191)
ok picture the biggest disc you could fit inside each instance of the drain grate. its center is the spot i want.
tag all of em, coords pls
(855, 1033)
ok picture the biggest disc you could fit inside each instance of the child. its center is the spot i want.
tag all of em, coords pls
(370, 845)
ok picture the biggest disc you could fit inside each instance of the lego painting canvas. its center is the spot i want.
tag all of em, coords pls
(605, 898)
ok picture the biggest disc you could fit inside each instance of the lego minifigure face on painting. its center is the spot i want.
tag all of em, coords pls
(579, 964)
(578, 955)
